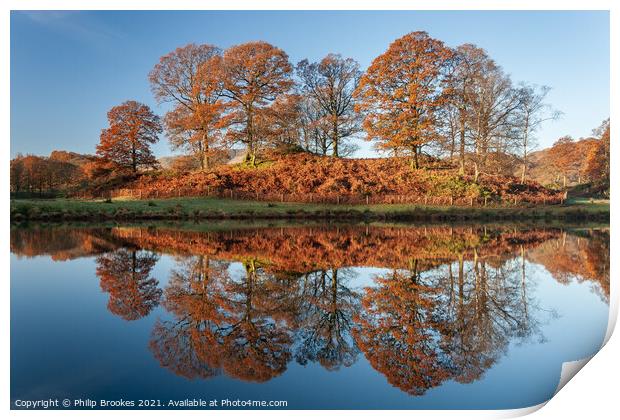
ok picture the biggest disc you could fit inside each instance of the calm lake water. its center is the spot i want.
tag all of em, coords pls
(320, 316)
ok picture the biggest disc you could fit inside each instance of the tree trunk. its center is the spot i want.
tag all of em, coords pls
(335, 138)
(525, 143)
(414, 160)
(134, 160)
(462, 144)
(523, 288)
(250, 134)
(205, 152)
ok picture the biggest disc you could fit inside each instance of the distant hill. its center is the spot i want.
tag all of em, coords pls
(189, 163)
(76, 159)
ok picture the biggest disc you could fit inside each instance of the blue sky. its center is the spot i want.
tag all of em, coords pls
(69, 68)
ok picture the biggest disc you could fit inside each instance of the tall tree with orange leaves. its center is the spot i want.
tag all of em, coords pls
(255, 75)
(402, 92)
(126, 143)
(190, 77)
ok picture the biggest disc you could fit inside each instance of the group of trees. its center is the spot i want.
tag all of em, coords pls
(420, 100)
(419, 97)
(598, 159)
(36, 174)
(488, 120)
(248, 95)
(573, 162)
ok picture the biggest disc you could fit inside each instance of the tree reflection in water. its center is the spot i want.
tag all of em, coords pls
(325, 319)
(125, 275)
(222, 323)
(245, 303)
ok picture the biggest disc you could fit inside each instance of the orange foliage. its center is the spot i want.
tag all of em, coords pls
(576, 258)
(396, 331)
(191, 78)
(255, 74)
(37, 174)
(597, 165)
(125, 275)
(228, 325)
(302, 175)
(126, 142)
(402, 91)
(302, 250)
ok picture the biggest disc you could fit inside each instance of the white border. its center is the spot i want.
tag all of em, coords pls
(593, 395)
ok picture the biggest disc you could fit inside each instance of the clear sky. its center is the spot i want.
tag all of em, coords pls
(69, 68)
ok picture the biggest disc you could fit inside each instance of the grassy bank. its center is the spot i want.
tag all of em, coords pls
(217, 209)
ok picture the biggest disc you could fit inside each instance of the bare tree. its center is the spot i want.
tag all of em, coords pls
(533, 111)
(329, 86)
(494, 107)
(470, 65)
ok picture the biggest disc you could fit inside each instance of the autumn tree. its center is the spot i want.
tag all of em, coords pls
(402, 92)
(280, 123)
(567, 159)
(34, 168)
(329, 84)
(597, 161)
(256, 345)
(17, 174)
(126, 143)
(189, 345)
(190, 77)
(255, 74)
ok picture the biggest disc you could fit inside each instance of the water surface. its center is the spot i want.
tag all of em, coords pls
(321, 316)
